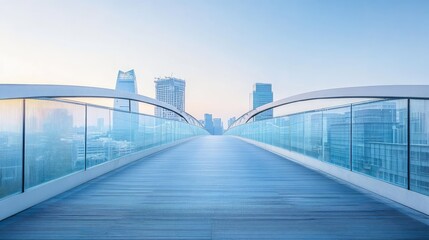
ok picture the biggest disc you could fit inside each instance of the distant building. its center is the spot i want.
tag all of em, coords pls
(172, 91)
(217, 126)
(126, 82)
(261, 95)
(121, 127)
(208, 123)
(231, 121)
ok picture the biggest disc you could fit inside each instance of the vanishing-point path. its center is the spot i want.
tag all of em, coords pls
(213, 188)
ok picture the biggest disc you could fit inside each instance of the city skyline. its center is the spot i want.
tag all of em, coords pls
(298, 46)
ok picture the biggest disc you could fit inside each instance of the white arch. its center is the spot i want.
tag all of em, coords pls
(382, 91)
(13, 91)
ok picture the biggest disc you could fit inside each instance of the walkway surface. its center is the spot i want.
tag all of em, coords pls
(213, 188)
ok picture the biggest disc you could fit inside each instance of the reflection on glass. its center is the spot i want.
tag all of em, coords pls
(10, 147)
(380, 140)
(121, 133)
(336, 136)
(379, 132)
(54, 140)
(297, 132)
(99, 141)
(313, 134)
(419, 146)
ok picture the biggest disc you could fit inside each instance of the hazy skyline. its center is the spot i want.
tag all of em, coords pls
(221, 48)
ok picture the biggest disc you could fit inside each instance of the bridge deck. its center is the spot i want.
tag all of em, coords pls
(213, 188)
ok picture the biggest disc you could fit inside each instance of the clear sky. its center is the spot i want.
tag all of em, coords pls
(221, 48)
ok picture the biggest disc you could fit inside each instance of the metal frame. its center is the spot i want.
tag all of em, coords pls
(382, 91)
(14, 91)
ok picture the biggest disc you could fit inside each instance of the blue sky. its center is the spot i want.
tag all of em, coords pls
(220, 47)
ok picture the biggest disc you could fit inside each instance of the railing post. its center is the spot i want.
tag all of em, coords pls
(408, 144)
(322, 134)
(351, 138)
(23, 147)
(86, 135)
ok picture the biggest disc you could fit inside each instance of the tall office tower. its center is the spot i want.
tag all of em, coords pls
(262, 94)
(172, 91)
(217, 126)
(123, 124)
(208, 123)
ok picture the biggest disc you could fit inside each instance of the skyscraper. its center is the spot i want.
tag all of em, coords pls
(122, 123)
(126, 82)
(217, 126)
(208, 123)
(262, 94)
(172, 91)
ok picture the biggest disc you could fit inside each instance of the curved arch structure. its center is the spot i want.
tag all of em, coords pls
(50, 146)
(386, 91)
(12, 91)
(379, 144)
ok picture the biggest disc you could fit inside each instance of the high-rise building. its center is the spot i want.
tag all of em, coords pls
(126, 82)
(172, 91)
(217, 126)
(122, 124)
(208, 123)
(261, 95)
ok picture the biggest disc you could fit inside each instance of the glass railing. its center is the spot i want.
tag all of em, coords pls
(387, 139)
(44, 139)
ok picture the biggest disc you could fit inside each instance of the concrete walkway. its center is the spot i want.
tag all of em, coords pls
(213, 187)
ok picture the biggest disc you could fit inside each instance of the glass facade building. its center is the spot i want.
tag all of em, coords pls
(261, 95)
(208, 123)
(172, 91)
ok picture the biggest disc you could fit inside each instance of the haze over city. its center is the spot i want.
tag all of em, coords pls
(221, 48)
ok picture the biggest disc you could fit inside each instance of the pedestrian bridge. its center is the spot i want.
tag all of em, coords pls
(336, 164)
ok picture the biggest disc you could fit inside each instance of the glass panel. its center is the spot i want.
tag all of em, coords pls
(10, 147)
(285, 132)
(277, 132)
(99, 141)
(297, 133)
(318, 105)
(134, 132)
(139, 138)
(158, 132)
(54, 140)
(145, 108)
(336, 136)
(149, 131)
(313, 134)
(380, 140)
(103, 102)
(121, 133)
(419, 146)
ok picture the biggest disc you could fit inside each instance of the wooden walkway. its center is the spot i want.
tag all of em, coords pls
(213, 188)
